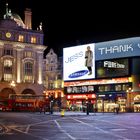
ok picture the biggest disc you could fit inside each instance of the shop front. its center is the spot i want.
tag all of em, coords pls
(107, 102)
(137, 103)
(78, 102)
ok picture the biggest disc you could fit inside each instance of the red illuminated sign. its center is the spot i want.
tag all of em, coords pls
(81, 96)
(97, 82)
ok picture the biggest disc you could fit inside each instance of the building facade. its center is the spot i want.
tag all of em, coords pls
(116, 77)
(53, 79)
(21, 55)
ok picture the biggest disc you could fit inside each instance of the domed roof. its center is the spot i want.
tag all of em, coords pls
(8, 23)
(15, 17)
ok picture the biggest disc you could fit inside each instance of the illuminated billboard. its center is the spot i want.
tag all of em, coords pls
(128, 47)
(112, 68)
(79, 62)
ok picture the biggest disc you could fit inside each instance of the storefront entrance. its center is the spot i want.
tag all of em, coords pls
(79, 102)
(137, 103)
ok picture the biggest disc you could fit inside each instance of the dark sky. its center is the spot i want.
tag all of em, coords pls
(70, 23)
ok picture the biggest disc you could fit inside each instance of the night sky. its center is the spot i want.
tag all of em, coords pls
(71, 23)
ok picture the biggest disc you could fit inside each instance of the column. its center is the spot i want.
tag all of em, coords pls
(40, 60)
(18, 65)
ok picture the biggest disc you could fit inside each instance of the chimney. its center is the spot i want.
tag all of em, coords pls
(28, 18)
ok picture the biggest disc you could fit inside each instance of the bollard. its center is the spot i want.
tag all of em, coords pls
(62, 113)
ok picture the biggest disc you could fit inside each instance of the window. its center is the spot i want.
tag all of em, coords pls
(21, 38)
(8, 51)
(104, 88)
(33, 39)
(28, 72)
(118, 87)
(125, 87)
(28, 54)
(7, 70)
(52, 60)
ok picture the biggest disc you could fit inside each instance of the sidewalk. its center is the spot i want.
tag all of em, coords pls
(75, 113)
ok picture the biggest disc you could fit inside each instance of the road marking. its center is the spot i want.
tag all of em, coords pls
(82, 122)
(28, 134)
(5, 129)
(112, 134)
(27, 129)
(101, 130)
(117, 124)
(64, 131)
(118, 129)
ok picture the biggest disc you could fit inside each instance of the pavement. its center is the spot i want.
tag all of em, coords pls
(75, 113)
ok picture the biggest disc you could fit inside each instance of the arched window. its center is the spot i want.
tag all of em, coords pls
(28, 72)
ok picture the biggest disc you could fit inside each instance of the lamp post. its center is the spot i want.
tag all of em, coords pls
(87, 103)
(51, 103)
(129, 99)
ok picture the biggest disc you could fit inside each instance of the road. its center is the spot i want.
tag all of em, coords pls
(36, 126)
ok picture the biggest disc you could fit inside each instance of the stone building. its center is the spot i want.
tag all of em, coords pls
(53, 77)
(21, 55)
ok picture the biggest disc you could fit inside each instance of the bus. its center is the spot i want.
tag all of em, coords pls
(6, 105)
(29, 102)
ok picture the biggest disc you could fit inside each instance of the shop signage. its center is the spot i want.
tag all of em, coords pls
(81, 96)
(111, 64)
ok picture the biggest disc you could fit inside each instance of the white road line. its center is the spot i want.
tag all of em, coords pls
(43, 122)
(101, 130)
(27, 129)
(82, 122)
(109, 133)
(62, 130)
(117, 124)
(28, 134)
(6, 129)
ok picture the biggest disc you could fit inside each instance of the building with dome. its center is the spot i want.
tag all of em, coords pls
(21, 55)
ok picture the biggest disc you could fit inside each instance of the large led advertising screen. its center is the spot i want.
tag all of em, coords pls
(112, 68)
(79, 62)
(128, 47)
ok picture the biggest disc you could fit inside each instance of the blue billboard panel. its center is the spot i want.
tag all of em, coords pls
(128, 47)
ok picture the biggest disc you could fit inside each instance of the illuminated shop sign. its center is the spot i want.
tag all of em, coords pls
(75, 62)
(113, 95)
(98, 82)
(110, 64)
(81, 96)
(117, 48)
(80, 89)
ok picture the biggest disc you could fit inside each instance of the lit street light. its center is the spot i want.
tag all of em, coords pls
(87, 103)
(13, 84)
(129, 99)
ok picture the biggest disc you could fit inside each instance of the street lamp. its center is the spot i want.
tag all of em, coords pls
(87, 103)
(51, 103)
(129, 99)
(13, 84)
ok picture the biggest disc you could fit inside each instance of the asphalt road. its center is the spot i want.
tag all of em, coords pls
(36, 126)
